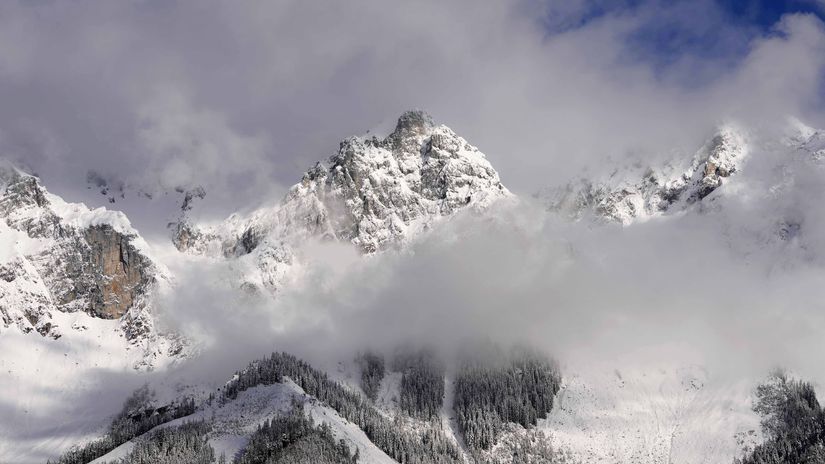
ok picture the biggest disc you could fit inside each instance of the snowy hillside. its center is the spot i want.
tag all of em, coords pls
(639, 192)
(60, 256)
(76, 300)
(655, 416)
(233, 422)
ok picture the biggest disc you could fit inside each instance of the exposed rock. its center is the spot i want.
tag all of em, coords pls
(620, 198)
(76, 259)
(25, 301)
(373, 193)
(120, 272)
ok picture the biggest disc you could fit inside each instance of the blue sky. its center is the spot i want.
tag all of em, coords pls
(667, 31)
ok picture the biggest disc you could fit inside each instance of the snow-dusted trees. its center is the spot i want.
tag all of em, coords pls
(137, 417)
(405, 446)
(372, 372)
(493, 388)
(794, 422)
(422, 382)
(185, 444)
(294, 439)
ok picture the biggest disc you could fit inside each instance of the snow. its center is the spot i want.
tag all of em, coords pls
(52, 395)
(374, 194)
(652, 415)
(377, 196)
(236, 419)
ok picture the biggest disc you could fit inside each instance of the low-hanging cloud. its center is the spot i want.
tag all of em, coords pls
(688, 288)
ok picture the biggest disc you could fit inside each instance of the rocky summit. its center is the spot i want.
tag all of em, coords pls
(68, 258)
(626, 196)
(373, 192)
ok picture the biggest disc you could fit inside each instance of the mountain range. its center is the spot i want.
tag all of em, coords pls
(83, 294)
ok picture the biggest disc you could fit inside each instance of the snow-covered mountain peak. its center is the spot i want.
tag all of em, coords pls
(639, 192)
(60, 258)
(374, 193)
(413, 123)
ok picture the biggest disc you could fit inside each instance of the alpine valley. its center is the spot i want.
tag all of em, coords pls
(104, 333)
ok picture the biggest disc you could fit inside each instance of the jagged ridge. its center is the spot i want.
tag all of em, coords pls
(374, 193)
(658, 191)
(65, 257)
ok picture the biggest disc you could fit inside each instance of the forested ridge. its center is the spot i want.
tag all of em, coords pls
(494, 388)
(295, 439)
(403, 445)
(135, 418)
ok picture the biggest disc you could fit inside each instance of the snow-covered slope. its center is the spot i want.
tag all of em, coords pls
(638, 192)
(59, 256)
(373, 193)
(76, 303)
(234, 421)
(662, 415)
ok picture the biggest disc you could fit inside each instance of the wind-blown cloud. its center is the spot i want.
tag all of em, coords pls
(241, 99)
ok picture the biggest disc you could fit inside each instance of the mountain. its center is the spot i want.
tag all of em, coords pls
(373, 193)
(634, 193)
(63, 258)
(84, 283)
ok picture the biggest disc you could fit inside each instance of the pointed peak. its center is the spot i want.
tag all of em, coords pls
(413, 122)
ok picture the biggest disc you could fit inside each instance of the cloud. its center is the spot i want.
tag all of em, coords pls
(185, 147)
(545, 88)
(241, 98)
(699, 288)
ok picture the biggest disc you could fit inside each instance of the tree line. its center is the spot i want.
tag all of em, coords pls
(137, 417)
(295, 439)
(430, 446)
(793, 421)
(493, 388)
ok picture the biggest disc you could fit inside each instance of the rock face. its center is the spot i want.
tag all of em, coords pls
(120, 272)
(623, 199)
(64, 257)
(374, 193)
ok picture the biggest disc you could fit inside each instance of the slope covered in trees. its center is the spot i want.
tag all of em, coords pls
(794, 422)
(372, 372)
(422, 382)
(185, 444)
(493, 388)
(405, 446)
(137, 417)
(294, 439)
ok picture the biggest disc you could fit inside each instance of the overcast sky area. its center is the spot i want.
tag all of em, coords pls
(242, 99)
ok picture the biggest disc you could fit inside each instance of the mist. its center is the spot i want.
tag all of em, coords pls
(697, 288)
